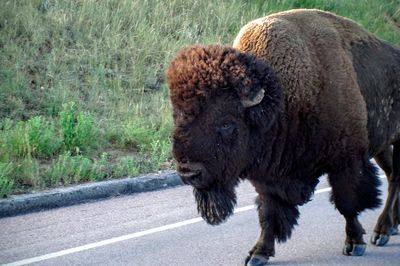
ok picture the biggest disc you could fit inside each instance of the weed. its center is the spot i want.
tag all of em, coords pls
(78, 129)
(15, 141)
(159, 152)
(69, 169)
(36, 137)
(26, 173)
(5, 124)
(126, 166)
(43, 137)
(103, 167)
(6, 183)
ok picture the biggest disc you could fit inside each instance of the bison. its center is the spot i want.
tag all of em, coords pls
(300, 94)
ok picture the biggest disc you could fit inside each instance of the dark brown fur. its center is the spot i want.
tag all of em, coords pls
(331, 102)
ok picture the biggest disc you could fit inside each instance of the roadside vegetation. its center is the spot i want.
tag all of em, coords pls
(82, 91)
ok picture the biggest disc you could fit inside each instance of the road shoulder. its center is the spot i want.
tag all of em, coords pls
(61, 197)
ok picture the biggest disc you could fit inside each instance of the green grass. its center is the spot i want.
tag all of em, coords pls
(82, 91)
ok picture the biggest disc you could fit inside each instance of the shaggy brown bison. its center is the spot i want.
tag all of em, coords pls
(300, 94)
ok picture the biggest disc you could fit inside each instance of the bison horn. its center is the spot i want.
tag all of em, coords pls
(256, 99)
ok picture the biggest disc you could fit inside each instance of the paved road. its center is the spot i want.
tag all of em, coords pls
(162, 228)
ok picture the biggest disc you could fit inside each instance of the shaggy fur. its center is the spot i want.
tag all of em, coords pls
(216, 204)
(331, 102)
(199, 74)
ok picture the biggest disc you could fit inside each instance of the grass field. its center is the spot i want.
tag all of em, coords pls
(82, 91)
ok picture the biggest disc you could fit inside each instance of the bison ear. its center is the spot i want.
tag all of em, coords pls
(262, 115)
(260, 93)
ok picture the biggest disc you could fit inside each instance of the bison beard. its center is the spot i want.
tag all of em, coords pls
(216, 204)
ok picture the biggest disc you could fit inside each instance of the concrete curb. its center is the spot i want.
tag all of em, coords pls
(62, 197)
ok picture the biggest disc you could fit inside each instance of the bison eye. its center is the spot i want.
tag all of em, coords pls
(226, 126)
(226, 129)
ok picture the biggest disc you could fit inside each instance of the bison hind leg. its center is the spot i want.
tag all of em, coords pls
(354, 189)
(389, 219)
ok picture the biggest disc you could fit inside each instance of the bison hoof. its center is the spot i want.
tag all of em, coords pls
(379, 239)
(394, 231)
(354, 249)
(256, 260)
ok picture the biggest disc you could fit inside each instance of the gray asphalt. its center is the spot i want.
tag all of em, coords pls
(316, 241)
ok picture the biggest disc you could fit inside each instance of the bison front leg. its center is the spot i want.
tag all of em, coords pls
(277, 219)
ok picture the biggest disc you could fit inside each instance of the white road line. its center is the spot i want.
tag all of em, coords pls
(322, 190)
(104, 242)
(126, 237)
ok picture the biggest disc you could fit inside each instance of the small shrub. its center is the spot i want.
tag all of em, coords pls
(15, 141)
(26, 173)
(86, 131)
(68, 124)
(126, 166)
(36, 137)
(6, 183)
(102, 167)
(43, 137)
(6, 124)
(136, 132)
(69, 169)
(160, 152)
(78, 129)
(114, 135)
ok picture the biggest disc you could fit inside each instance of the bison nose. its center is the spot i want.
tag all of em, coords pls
(190, 173)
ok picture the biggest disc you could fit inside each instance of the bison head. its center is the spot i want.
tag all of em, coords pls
(220, 98)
